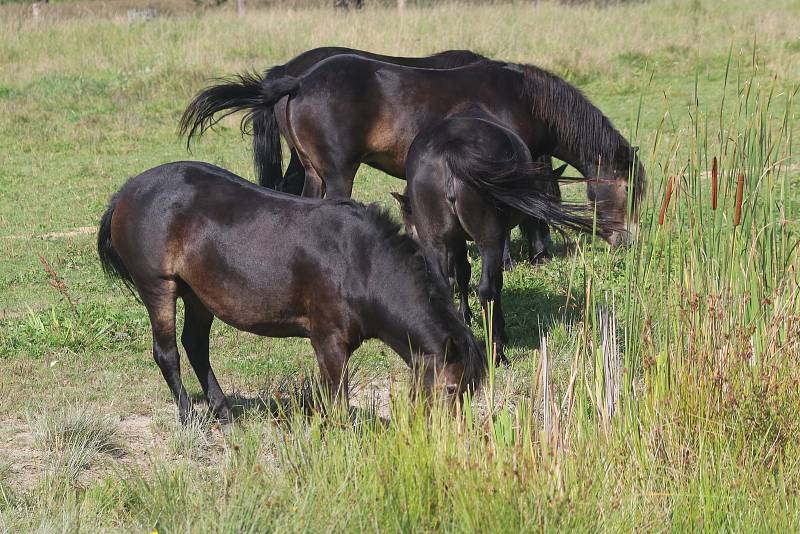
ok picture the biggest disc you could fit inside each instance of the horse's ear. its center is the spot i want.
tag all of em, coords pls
(401, 199)
(560, 170)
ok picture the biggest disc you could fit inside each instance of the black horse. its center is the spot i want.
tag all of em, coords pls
(266, 134)
(468, 178)
(377, 109)
(267, 150)
(333, 271)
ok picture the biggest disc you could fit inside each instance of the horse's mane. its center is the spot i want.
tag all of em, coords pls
(399, 245)
(404, 252)
(581, 126)
(456, 58)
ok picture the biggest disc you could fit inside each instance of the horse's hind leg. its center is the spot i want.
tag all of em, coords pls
(313, 186)
(159, 300)
(196, 328)
(294, 179)
(490, 289)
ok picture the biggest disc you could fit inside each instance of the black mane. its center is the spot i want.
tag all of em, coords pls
(404, 252)
(450, 59)
(581, 126)
(392, 238)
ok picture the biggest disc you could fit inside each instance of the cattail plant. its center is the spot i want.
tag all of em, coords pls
(665, 203)
(739, 194)
(714, 183)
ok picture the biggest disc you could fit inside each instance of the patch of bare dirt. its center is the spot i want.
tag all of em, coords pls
(81, 230)
(141, 440)
(372, 396)
(25, 461)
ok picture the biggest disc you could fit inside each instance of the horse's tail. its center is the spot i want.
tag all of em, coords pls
(267, 152)
(245, 92)
(512, 183)
(112, 264)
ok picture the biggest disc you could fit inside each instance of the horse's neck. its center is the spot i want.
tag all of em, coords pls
(583, 136)
(423, 333)
(586, 168)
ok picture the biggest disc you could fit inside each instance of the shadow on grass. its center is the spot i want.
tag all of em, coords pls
(532, 310)
(283, 405)
(531, 313)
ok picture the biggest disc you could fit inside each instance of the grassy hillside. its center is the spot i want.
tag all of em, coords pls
(703, 434)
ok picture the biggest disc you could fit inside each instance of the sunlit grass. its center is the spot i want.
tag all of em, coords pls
(705, 400)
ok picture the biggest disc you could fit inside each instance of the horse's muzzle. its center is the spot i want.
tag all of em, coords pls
(623, 238)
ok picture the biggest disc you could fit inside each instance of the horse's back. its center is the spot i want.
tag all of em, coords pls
(468, 136)
(257, 259)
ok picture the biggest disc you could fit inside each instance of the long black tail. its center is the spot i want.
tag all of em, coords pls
(252, 94)
(109, 259)
(267, 152)
(515, 184)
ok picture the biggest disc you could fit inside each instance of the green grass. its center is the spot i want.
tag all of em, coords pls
(708, 314)
(72, 439)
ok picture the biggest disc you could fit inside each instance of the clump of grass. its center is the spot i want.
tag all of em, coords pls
(73, 438)
(191, 439)
(7, 494)
(93, 327)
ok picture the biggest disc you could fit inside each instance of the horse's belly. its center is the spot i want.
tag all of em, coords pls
(297, 328)
(259, 310)
(389, 163)
(280, 325)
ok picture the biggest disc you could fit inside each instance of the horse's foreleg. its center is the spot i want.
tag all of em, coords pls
(160, 303)
(463, 274)
(332, 355)
(196, 329)
(537, 233)
(508, 261)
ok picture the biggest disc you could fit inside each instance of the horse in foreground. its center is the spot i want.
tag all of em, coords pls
(469, 178)
(349, 110)
(277, 265)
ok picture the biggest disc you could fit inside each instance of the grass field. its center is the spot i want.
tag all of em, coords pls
(703, 435)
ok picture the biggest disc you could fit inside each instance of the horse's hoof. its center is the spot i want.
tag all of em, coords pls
(540, 258)
(225, 427)
(502, 361)
(225, 416)
(187, 418)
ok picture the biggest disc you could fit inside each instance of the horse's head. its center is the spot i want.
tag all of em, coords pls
(611, 185)
(405, 213)
(457, 369)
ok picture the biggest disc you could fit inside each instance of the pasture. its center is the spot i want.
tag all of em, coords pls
(683, 416)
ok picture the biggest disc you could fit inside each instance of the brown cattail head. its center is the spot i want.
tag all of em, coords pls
(665, 203)
(739, 192)
(714, 183)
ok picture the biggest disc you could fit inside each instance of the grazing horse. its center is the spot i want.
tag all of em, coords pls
(468, 178)
(333, 271)
(266, 134)
(267, 150)
(349, 110)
